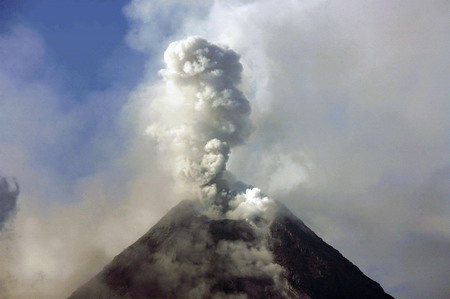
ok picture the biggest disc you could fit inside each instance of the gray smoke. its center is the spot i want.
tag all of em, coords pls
(202, 115)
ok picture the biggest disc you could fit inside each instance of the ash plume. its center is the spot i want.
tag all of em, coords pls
(207, 115)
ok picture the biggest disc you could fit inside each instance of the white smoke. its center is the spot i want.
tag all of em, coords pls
(58, 230)
(250, 204)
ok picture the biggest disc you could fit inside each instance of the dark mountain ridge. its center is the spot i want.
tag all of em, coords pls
(190, 255)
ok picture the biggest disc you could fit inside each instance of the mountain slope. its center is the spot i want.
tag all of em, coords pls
(190, 255)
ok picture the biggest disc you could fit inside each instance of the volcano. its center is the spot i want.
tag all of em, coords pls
(233, 241)
(190, 255)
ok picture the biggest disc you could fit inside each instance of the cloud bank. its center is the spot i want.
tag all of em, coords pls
(73, 172)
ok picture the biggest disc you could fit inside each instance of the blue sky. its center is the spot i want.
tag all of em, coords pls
(85, 56)
(82, 39)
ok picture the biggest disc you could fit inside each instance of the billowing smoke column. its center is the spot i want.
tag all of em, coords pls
(205, 115)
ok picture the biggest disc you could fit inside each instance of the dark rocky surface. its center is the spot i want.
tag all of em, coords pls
(8, 199)
(184, 248)
(314, 266)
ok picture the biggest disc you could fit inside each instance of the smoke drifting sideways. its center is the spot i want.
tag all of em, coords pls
(9, 191)
(202, 115)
